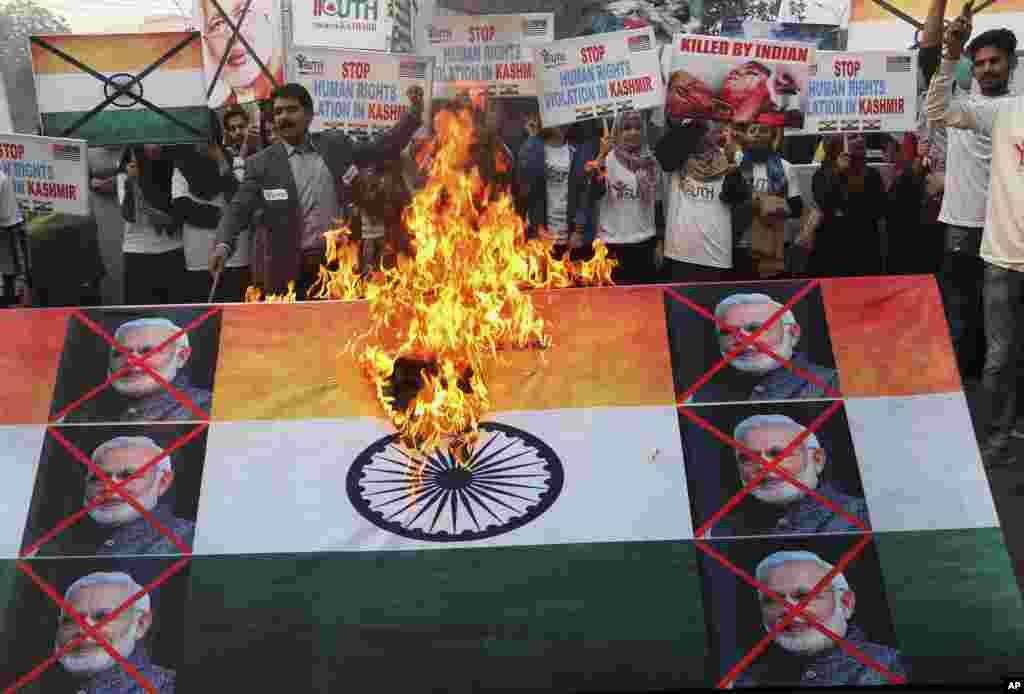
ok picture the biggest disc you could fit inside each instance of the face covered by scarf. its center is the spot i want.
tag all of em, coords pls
(630, 148)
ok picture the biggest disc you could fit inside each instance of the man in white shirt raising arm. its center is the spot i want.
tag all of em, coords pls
(1002, 243)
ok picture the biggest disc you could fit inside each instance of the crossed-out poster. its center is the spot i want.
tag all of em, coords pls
(487, 53)
(616, 529)
(121, 89)
(596, 76)
(865, 91)
(738, 80)
(243, 49)
(48, 174)
(359, 92)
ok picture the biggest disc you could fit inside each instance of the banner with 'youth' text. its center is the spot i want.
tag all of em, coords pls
(598, 76)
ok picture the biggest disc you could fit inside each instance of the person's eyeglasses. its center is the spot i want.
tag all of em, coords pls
(770, 603)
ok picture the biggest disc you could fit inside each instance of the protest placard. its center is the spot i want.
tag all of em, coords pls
(739, 80)
(599, 75)
(865, 91)
(487, 53)
(358, 24)
(49, 174)
(360, 92)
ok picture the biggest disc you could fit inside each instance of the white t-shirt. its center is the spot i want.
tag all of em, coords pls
(10, 213)
(698, 224)
(968, 161)
(1002, 120)
(140, 236)
(557, 169)
(199, 242)
(622, 215)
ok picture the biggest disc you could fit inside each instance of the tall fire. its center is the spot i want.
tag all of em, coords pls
(440, 316)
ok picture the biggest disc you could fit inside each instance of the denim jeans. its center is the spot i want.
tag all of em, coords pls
(1003, 291)
(960, 281)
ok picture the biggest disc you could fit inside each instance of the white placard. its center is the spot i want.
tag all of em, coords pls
(487, 53)
(49, 174)
(360, 92)
(867, 91)
(599, 75)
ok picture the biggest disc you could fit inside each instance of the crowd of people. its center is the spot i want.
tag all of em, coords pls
(680, 201)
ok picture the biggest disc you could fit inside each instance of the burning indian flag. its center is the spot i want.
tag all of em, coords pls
(76, 73)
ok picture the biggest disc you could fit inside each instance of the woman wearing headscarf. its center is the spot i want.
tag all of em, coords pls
(700, 201)
(154, 264)
(852, 198)
(202, 183)
(627, 183)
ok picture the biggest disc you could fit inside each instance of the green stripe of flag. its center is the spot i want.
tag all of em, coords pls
(115, 126)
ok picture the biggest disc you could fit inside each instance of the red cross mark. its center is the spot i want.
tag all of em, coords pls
(137, 362)
(1020, 153)
(119, 490)
(91, 632)
(744, 341)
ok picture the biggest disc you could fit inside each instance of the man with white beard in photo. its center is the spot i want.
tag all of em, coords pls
(755, 375)
(115, 527)
(137, 396)
(94, 597)
(776, 506)
(802, 655)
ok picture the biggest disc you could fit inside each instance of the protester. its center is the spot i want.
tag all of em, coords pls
(551, 182)
(851, 196)
(627, 182)
(911, 222)
(17, 282)
(299, 184)
(993, 55)
(154, 256)
(379, 196)
(700, 202)
(968, 165)
(776, 197)
(202, 179)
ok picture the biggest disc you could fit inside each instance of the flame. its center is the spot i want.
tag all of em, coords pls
(439, 317)
(255, 294)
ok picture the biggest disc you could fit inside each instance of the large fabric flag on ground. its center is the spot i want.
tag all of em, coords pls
(118, 89)
(603, 535)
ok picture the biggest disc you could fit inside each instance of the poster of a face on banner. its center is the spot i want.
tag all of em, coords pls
(242, 79)
(872, 91)
(597, 76)
(359, 92)
(738, 80)
(49, 174)
(358, 24)
(487, 53)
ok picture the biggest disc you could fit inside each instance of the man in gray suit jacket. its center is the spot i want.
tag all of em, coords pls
(299, 184)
